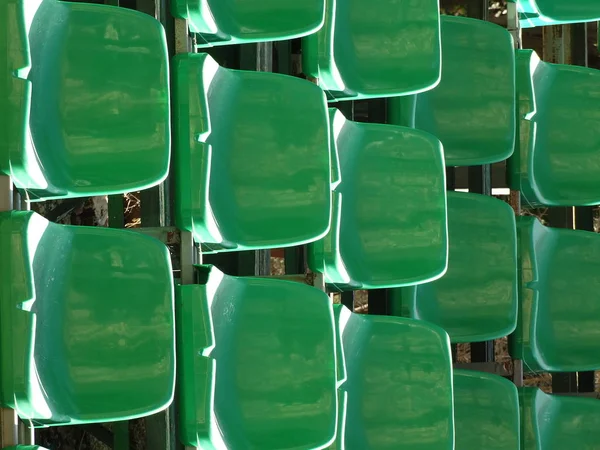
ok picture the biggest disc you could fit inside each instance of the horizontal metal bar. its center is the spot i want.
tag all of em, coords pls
(167, 235)
(495, 368)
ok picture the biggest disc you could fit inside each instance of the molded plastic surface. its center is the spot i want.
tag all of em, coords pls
(257, 361)
(553, 422)
(559, 311)
(534, 13)
(252, 155)
(476, 300)
(389, 225)
(486, 412)
(24, 447)
(375, 48)
(398, 384)
(86, 322)
(473, 109)
(84, 97)
(220, 22)
(557, 157)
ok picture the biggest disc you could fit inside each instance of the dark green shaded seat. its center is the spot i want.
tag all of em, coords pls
(220, 22)
(558, 298)
(476, 300)
(472, 111)
(389, 224)
(84, 99)
(534, 13)
(257, 364)
(554, 422)
(486, 412)
(557, 158)
(252, 157)
(375, 48)
(397, 384)
(86, 322)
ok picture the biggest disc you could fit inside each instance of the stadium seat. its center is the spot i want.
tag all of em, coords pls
(558, 316)
(84, 96)
(556, 422)
(257, 364)
(491, 413)
(375, 48)
(389, 224)
(397, 384)
(472, 111)
(476, 300)
(252, 157)
(556, 160)
(534, 13)
(87, 328)
(486, 412)
(222, 22)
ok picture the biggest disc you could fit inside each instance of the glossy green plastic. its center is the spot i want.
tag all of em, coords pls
(257, 364)
(389, 225)
(252, 157)
(557, 154)
(222, 22)
(557, 299)
(24, 447)
(398, 384)
(473, 109)
(87, 328)
(556, 422)
(476, 300)
(84, 97)
(375, 48)
(533, 13)
(486, 412)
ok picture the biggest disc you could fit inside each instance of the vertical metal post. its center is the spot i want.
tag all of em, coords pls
(9, 429)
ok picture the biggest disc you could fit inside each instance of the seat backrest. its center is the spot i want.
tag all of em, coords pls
(472, 111)
(556, 422)
(486, 412)
(88, 320)
(15, 97)
(219, 22)
(558, 155)
(558, 298)
(476, 300)
(389, 225)
(375, 49)
(398, 383)
(268, 184)
(99, 118)
(257, 364)
(556, 12)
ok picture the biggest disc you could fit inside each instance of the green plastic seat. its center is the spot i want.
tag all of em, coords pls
(397, 384)
(86, 322)
(24, 447)
(389, 225)
(222, 22)
(556, 158)
(558, 316)
(533, 13)
(268, 183)
(476, 300)
(554, 422)
(84, 97)
(486, 412)
(473, 109)
(257, 364)
(375, 48)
